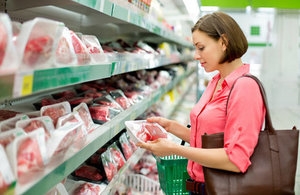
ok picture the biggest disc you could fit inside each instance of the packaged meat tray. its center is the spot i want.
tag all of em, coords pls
(83, 56)
(126, 146)
(64, 94)
(88, 173)
(7, 114)
(9, 136)
(75, 101)
(37, 43)
(109, 165)
(6, 174)
(30, 125)
(11, 123)
(62, 139)
(55, 111)
(8, 58)
(83, 111)
(102, 113)
(84, 188)
(27, 153)
(65, 53)
(117, 155)
(119, 97)
(143, 131)
(109, 101)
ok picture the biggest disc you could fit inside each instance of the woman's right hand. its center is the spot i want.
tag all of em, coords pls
(165, 123)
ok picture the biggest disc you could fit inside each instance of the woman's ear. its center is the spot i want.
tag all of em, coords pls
(224, 42)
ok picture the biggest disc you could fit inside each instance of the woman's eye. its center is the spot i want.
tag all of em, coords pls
(201, 48)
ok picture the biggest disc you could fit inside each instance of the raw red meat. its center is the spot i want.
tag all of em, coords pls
(123, 102)
(95, 159)
(93, 94)
(78, 100)
(85, 87)
(144, 135)
(85, 117)
(65, 94)
(29, 156)
(63, 52)
(100, 112)
(66, 142)
(109, 170)
(46, 102)
(3, 42)
(82, 55)
(33, 125)
(37, 50)
(7, 114)
(89, 172)
(6, 140)
(70, 119)
(118, 158)
(55, 113)
(155, 131)
(87, 189)
(134, 147)
(127, 150)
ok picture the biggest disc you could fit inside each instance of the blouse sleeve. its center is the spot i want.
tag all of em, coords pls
(245, 116)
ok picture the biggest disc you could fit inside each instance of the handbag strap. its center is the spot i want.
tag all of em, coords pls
(268, 123)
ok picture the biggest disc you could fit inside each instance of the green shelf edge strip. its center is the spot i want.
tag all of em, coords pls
(112, 128)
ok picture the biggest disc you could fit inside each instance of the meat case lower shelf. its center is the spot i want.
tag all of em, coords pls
(57, 171)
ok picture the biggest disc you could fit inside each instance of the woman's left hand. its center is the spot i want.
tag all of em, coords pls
(159, 147)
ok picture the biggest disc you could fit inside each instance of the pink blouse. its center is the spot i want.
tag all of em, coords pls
(241, 126)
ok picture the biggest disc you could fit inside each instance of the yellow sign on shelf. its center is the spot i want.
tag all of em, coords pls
(27, 85)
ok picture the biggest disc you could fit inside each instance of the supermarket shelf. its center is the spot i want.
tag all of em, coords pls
(128, 18)
(63, 167)
(25, 83)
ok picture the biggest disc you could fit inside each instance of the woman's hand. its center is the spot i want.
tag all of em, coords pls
(159, 147)
(165, 123)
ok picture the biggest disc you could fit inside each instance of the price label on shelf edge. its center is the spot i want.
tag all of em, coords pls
(23, 83)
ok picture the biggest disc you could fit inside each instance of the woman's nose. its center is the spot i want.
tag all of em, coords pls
(197, 56)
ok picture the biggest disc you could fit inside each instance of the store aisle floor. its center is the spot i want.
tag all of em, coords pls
(286, 118)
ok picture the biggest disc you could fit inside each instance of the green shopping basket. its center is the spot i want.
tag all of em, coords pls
(172, 174)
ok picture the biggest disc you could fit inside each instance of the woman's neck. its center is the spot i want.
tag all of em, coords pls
(228, 68)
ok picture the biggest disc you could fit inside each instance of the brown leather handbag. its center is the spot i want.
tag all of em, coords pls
(273, 167)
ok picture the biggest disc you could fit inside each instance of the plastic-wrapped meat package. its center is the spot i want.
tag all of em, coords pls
(27, 153)
(74, 118)
(119, 97)
(95, 160)
(92, 44)
(134, 96)
(6, 174)
(83, 56)
(64, 94)
(30, 125)
(93, 94)
(132, 143)
(108, 101)
(65, 54)
(102, 113)
(7, 114)
(8, 58)
(85, 115)
(55, 111)
(141, 130)
(33, 114)
(11, 123)
(109, 165)
(88, 172)
(117, 155)
(62, 138)
(37, 42)
(75, 101)
(85, 87)
(84, 188)
(126, 146)
(9, 136)
(164, 77)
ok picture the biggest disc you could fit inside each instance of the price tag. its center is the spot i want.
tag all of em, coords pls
(27, 84)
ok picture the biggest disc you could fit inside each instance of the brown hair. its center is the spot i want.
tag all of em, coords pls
(220, 25)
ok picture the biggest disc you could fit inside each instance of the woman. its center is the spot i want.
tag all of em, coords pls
(220, 44)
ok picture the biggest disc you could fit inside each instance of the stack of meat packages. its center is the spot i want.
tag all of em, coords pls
(29, 141)
(102, 166)
(43, 43)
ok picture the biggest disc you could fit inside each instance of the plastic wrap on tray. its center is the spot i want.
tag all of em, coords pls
(126, 146)
(117, 155)
(143, 131)
(9, 136)
(102, 113)
(8, 59)
(27, 153)
(6, 174)
(83, 56)
(85, 188)
(108, 101)
(65, 54)
(119, 97)
(37, 42)
(74, 118)
(85, 115)
(62, 138)
(55, 111)
(109, 165)
(11, 123)
(30, 125)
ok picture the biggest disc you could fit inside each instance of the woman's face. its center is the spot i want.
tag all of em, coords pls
(208, 51)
